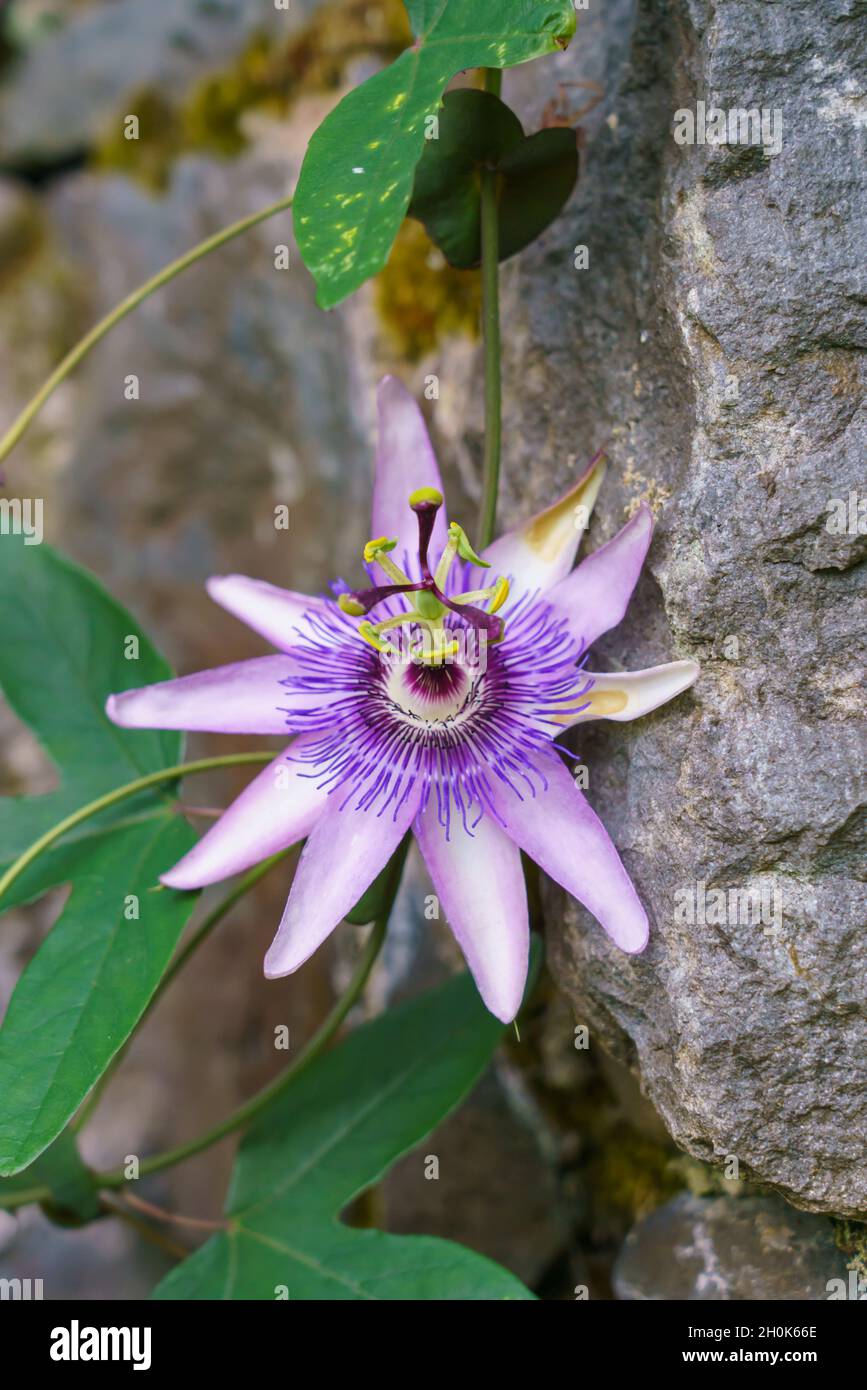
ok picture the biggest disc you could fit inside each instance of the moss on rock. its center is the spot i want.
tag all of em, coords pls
(420, 299)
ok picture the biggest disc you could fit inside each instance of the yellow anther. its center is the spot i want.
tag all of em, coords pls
(376, 552)
(445, 562)
(425, 494)
(465, 550)
(380, 546)
(349, 605)
(500, 594)
(373, 639)
(437, 654)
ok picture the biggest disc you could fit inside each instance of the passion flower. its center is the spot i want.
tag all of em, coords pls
(428, 700)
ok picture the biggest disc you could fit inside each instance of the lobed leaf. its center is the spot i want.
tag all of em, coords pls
(88, 984)
(62, 652)
(332, 1134)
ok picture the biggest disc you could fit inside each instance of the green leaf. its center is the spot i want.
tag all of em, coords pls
(74, 1200)
(88, 984)
(332, 1134)
(62, 644)
(62, 651)
(357, 175)
(536, 174)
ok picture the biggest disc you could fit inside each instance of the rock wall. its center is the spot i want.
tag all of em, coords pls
(716, 340)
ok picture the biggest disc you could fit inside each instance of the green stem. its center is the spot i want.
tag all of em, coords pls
(493, 80)
(99, 330)
(491, 336)
(262, 1098)
(152, 779)
(201, 933)
(23, 1197)
(168, 1247)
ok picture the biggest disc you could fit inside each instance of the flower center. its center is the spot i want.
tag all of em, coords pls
(432, 643)
(382, 729)
(429, 693)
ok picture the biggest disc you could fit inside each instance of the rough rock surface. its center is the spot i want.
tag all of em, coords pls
(718, 1249)
(716, 340)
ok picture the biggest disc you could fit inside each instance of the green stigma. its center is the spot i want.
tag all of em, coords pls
(428, 605)
(424, 495)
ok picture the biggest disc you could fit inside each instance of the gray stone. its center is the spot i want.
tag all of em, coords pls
(699, 1249)
(245, 400)
(716, 342)
(113, 50)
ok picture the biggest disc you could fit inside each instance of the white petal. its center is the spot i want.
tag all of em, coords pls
(625, 695)
(277, 614)
(541, 552)
(246, 697)
(480, 884)
(278, 808)
(595, 596)
(342, 857)
(567, 839)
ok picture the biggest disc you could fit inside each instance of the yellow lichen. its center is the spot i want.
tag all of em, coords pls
(652, 491)
(851, 1238)
(148, 157)
(421, 299)
(631, 1174)
(21, 238)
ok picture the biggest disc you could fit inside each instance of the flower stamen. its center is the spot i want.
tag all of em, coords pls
(497, 593)
(431, 603)
(369, 633)
(376, 552)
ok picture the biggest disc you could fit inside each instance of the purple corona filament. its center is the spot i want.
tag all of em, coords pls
(453, 730)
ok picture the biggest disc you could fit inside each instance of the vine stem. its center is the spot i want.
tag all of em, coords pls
(249, 880)
(174, 1218)
(132, 301)
(168, 1247)
(152, 779)
(491, 336)
(251, 1108)
(23, 1197)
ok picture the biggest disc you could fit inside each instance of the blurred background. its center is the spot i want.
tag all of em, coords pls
(250, 398)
